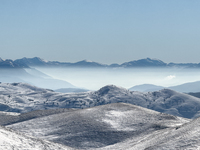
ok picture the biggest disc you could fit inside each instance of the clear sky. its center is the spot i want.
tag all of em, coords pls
(106, 31)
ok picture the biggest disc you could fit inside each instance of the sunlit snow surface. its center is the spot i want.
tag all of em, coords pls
(9, 140)
(184, 137)
(98, 126)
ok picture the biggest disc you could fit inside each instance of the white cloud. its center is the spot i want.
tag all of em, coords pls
(170, 77)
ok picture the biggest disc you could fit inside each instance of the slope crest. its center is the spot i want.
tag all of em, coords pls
(98, 126)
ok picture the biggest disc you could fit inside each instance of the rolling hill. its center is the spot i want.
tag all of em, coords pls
(19, 97)
(98, 126)
(10, 140)
(186, 136)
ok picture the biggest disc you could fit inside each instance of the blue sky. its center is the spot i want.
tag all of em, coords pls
(106, 31)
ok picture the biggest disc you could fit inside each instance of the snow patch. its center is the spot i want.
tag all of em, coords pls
(115, 119)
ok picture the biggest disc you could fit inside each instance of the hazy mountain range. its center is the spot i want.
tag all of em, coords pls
(186, 87)
(22, 70)
(32, 76)
(38, 62)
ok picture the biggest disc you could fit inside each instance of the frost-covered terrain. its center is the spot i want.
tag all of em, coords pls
(98, 126)
(19, 97)
(34, 116)
(8, 118)
(10, 140)
(184, 137)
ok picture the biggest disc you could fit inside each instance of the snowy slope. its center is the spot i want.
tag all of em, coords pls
(8, 118)
(98, 126)
(184, 137)
(19, 97)
(10, 140)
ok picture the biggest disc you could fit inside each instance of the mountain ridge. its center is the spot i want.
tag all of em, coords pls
(8, 63)
(146, 62)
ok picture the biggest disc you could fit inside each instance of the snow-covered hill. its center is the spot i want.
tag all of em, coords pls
(19, 97)
(184, 137)
(98, 126)
(10, 140)
(109, 127)
(8, 118)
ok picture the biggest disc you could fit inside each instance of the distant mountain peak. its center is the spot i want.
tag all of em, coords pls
(110, 89)
(34, 59)
(154, 60)
(86, 60)
(8, 63)
(146, 62)
(87, 63)
(151, 60)
(39, 59)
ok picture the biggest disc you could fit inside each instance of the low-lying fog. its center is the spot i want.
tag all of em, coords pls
(95, 78)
